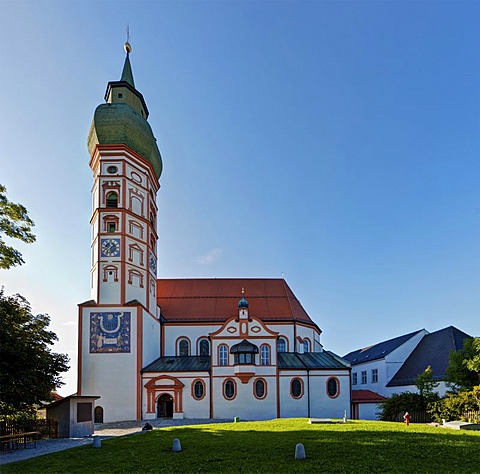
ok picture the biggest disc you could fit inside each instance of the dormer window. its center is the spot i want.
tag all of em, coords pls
(244, 353)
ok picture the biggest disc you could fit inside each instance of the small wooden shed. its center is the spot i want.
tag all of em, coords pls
(74, 415)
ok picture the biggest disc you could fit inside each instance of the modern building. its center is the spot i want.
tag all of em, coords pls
(183, 348)
(392, 366)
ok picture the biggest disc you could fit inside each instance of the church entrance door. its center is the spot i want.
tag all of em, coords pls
(165, 406)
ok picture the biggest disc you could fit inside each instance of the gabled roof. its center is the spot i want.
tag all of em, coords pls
(179, 364)
(434, 351)
(366, 396)
(379, 350)
(309, 360)
(216, 299)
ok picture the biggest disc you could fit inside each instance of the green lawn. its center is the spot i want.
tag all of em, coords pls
(270, 446)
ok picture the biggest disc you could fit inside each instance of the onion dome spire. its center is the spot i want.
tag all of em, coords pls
(243, 303)
(122, 119)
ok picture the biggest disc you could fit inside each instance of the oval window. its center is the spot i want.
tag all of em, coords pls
(296, 388)
(259, 388)
(112, 169)
(332, 387)
(198, 390)
(229, 389)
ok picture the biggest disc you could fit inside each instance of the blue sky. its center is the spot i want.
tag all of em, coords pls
(334, 143)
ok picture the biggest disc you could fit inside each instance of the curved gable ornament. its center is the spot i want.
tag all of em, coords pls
(253, 325)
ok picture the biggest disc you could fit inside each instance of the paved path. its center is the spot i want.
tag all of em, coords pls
(104, 431)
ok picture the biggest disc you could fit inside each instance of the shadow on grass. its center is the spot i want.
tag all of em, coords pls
(238, 448)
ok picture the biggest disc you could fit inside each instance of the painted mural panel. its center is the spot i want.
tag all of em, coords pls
(110, 332)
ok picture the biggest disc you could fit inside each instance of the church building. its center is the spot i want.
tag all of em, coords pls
(183, 348)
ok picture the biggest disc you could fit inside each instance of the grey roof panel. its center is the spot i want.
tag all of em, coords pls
(378, 351)
(434, 351)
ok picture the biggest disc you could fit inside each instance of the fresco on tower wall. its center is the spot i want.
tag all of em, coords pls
(110, 332)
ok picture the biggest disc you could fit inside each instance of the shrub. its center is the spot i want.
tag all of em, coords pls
(399, 403)
(455, 406)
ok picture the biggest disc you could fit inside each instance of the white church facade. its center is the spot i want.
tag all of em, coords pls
(183, 348)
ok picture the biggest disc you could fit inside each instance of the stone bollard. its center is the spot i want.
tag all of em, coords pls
(97, 442)
(177, 447)
(300, 451)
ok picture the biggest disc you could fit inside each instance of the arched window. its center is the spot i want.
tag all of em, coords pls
(198, 389)
(333, 387)
(204, 347)
(223, 355)
(296, 388)
(260, 388)
(281, 344)
(183, 347)
(112, 199)
(98, 414)
(265, 355)
(306, 345)
(229, 389)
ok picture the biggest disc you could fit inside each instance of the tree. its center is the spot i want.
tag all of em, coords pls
(393, 408)
(425, 383)
(29, 370)
(16, 224)
(464, 367)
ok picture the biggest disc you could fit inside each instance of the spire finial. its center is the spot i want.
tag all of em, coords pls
(127, 46)
(243, 290)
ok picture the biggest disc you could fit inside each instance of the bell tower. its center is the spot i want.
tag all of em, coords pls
(119, 326)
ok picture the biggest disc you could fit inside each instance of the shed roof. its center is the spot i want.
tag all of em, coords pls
(216, 299)
(379, 350)
(434, 351)
(309, 360)
(179, 364)
(366, 396)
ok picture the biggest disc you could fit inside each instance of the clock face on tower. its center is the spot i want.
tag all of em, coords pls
(110, 247)
(153, 263)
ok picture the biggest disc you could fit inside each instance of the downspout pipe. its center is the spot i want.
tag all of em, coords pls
(308, 393)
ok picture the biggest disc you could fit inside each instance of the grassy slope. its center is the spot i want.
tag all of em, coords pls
(270, 447)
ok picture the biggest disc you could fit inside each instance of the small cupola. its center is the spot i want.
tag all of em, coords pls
(243, 307)
(243, 303)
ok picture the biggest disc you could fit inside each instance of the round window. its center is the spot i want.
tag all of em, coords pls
(112, 169)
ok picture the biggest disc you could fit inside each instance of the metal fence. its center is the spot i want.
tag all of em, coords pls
(424, 417)
(47, 428)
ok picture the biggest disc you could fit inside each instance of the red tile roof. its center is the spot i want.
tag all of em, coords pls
(216, 299)
(364, 396)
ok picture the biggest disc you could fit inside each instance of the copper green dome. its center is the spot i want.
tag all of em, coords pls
(122, 120)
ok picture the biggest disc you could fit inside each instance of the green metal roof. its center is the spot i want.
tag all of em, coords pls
(127, 74)
(123, 121)
(179, 364)
(309, 360)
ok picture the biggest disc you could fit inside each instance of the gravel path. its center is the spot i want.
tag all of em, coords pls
(104, 431)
